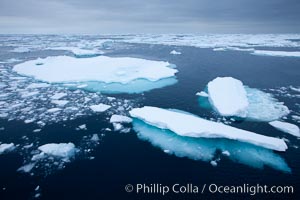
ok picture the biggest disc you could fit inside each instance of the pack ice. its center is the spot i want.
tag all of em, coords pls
(123, 70)
(186, 124)
(229, 97)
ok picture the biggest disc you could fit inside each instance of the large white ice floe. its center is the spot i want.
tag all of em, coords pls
(6, 147)
(209, 150)
(102, 68)
(229, 97)
(63, 150)
(277, 53)
(189, 125)
(286, 127)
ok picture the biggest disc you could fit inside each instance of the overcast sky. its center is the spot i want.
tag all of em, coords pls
(149, 16)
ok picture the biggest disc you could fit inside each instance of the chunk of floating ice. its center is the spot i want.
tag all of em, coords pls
(26, 168)
(277, 53)
(38, 85)
(202, 94)
(53, 110)
(120, 118)
(205, 149)
(4, 148)
(118, 126)
(100, 107)
(186, 124)
(63, 150)
(213, 163)
(174, 52)
(95, 137)
(225, 153)
(58, 95)
(82, 127)
(60, 102)
(286, 127)
(228, 96)
(102, 68)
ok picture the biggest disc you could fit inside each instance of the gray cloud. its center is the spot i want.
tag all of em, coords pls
(152, 16)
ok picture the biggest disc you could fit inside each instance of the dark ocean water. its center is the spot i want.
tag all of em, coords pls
(122, 159)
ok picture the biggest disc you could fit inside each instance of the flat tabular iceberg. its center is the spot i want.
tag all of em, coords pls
(228, 96)
(189, 125)
(102, 68)
(286, 127)
(208, 150)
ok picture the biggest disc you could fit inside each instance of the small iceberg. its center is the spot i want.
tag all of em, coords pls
(286, 127)
(229, 97)
(101, 73)
(189, 125)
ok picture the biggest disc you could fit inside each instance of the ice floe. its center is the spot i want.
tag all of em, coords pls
(63, 150)
(208, 150)
(102, 68)
(229, 97)
(102, 73)
(189, 125)
(100, 107)
(4, 148)
(286, 127)
(277, 53)
(120, 119)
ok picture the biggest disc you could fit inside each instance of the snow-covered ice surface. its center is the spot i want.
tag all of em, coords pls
(186, 124)
(207, 149)
(286, 127)
(229, 97)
